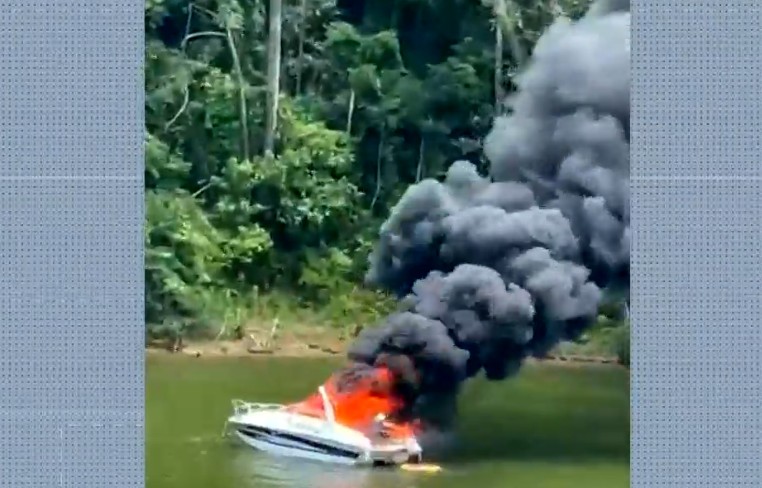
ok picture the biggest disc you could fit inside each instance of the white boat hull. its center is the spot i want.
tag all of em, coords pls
(270, 428)
(296, 451)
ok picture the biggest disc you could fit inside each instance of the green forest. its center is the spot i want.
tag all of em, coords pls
(279, 133)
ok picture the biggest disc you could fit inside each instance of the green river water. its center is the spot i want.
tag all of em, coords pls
(548, 427)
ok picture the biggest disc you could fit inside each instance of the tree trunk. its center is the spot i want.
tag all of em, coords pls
(350, 112)
(300, 61)
(421, 158)
(555, 9)
(379, 166)
(243, 111)
(506, 14)
(273, 73)
(498, 65)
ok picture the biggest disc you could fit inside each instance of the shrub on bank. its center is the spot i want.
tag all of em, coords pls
(227, 315)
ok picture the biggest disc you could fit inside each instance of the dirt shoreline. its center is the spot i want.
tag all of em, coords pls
(324, 347)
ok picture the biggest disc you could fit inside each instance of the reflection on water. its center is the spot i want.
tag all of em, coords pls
(266, 470)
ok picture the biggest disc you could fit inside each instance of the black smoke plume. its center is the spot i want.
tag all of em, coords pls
(495, 269)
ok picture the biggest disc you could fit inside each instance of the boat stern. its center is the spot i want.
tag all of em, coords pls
(398, 452)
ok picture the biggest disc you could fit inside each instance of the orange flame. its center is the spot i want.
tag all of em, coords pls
(357, 405)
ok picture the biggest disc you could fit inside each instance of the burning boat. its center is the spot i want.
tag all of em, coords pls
(490, 269)
(350, 420)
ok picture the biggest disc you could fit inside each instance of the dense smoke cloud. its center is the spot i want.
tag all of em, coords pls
(495, 269)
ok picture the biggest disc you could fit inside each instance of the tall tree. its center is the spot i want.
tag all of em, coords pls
(498, 9)
(273, 73)
(508, 17)
(300, 56)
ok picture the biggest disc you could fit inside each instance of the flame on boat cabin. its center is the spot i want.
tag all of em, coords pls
(359, 394)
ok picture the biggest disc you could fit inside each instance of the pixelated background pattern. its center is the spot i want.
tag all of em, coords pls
(71, 244)
(697, 234)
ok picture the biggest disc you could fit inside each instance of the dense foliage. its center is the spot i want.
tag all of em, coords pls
(373, 95)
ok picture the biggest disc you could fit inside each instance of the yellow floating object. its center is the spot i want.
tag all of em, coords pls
(425, 468)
